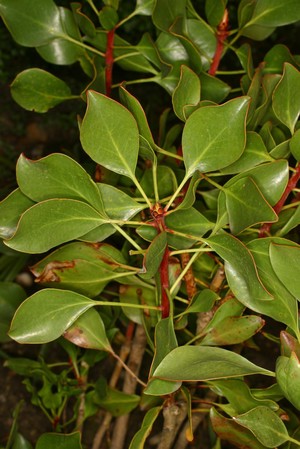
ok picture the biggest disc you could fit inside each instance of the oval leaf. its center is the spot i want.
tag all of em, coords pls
(10, 210)
(288, 273)
(37, 90)
(50, 312)
(215, 136)
(52, 222)
(199, 363)
(109, 135)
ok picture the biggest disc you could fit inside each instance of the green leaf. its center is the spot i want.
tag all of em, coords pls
(53, 222)
(288, 378)
(276, 57)
(159, 387)
(11, 296)
(229, 430)
(295, 145)
(286, 97)
(265, 425)
(45, 315)
(37, 90)
(255, 154)
(20, 442)
(291, 223)
(202, 302)
(167, 181)
(10, 210)
(212, 88)
(246, 206)
(283, 307)
(109, 134)
(214, 11)
(88, 332)
(57, 176)
(136, 295)
(62, 50)
(135, 107)
(274, 13)
(30, 23)
(144, 7)
(166, 11)
(199, 363)
(233, 330)
(154, 255)
(186, 95)
(117, 204)
(204, 39)
(116, 402)
(214, 136)
(287, 272)
(140, 437)
(241, 271)
(81, 267)
(108, 17)
(59, 441)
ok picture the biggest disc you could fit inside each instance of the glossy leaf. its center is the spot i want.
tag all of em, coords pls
(214, 136)
(59, 441)
(287, 272)
(295, 145)
(134, 106)
(276, 57)
(273, 13)
(31, 24)
(140, 437)
(213, 88)
(291, 223)
(166, 11)
(57, 176)
(53, 222)
(50, 312)
(204, 39)
(154, 256)
(81, 267)
(283, 307)
(144, 7)
(109, 135)
(117, 204)
(11, 296)
(10, 210)
(288, 378)
(214, 11)
(265, 424)
(38, 90)
(286, 97)
(64, 50)
(233, 330)
(167, 181)
(138, 294)
(186, 94)
(199, 363)
(246, 206)
(241, 271)
(88, 332)
(255, 154)
(229, 430)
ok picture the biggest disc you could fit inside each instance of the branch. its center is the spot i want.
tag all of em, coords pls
(222, 34)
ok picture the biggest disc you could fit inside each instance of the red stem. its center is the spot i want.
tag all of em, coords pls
(109, 61)
(222, 34)
(265, 229)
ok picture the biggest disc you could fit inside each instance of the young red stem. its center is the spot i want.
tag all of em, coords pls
(109, 61)
(222, 34)
(165, 284)
(265, 229)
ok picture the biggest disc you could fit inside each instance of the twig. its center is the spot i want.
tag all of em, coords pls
(174, 415)
(190, 283)
(222, 34)
(130, 383)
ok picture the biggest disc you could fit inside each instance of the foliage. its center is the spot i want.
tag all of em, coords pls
(187, 237)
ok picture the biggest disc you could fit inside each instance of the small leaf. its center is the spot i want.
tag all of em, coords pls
(214, 136)
(59, 441)
(166, 11)
(295, 145)
(57, 176)
(202, 302)
(199, 363)
(116, 402)
(287, 272)
(154, 255)
(144, 7)
(288, 378)
(109, 134)
(10, 210)
(45, 315)
(37, 90)
(286, 97)
(11, 296)
(88, 332)
(140, 437)
(108, 17)
(214, 11)
(265, 425)
(187, 93)
(117, 204)
(159, 387)
(53, 222)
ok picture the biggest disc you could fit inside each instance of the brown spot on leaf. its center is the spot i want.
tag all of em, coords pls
(49, 272)
(76, 335)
